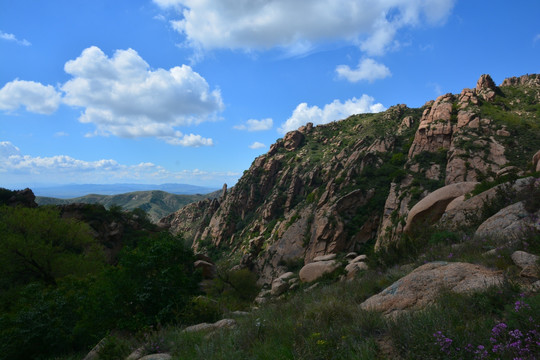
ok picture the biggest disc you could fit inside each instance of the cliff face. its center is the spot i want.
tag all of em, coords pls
(350, 185)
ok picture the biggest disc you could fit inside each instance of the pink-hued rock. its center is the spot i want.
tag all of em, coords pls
(433, 206)
(421, 287)
(510, 223)
(316, 270)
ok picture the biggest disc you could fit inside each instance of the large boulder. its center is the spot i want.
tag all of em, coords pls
(316, 270)
(433, 205)
(459, 214)
(510, 223)
(528, 263)
(422, 286)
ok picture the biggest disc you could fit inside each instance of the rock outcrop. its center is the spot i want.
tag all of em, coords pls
(334, 188)
(25, 198)
(431, 208)
(421, 287)
(511, 223)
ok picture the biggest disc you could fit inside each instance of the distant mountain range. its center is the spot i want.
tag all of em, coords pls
(155, 202)
(77, 190)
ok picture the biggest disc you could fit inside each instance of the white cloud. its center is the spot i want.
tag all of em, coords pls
(257, 145)
(299, 25)
(168, 3)
(20, 170)
(190, 140)
(11, 37)
(122, 96)
(367, 69)
(34, 96)
(256, 125)
(331, 112)
(7, 149)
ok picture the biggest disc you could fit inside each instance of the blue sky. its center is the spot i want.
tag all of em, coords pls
(191, 91)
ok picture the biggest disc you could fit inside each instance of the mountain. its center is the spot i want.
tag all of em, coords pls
(353, 185)
(76, 190)
(156, 203)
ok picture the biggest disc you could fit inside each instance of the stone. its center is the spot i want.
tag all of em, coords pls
(157, 357)
(279, 286)
(421, 287)
(434, 205)
(459, 215)
(292, 140)
(503, 132)
(509, 223)
(359, 258)
(225, 324)
(208, 269)
(485, 83)
(351, 255)
(325, 257)
(206, 327)
(536, 161)
(316, 270)
(94, 353)
(354, 268)
(240, 313)
(532, 271)
(287, 275)
(199, 327)
(524, 259)
(137, 354)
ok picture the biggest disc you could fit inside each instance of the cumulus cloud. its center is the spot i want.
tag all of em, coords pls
(122, 96)
(11, 37)
(256, 125)
(34, 96)
(297, 25)
(257, 145)
(330, 112)
(7, 149)
(190, 140)
(367, 69)
(17, 168)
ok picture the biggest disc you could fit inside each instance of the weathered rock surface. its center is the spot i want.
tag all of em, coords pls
(462, 213)
(319, 190)
(157, 357)
(316, 270)
(511, 223)
(206, 327)
(431, 208)
(421, 287)
(528, 263)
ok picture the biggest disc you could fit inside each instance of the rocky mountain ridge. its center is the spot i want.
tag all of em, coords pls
(352, 185)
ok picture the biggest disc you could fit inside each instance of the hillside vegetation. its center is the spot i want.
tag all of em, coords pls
(156, 204)
(408, 234)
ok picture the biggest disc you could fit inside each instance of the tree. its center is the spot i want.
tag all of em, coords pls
(38, 245)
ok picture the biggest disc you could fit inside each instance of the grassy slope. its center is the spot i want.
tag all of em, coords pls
(156, 203)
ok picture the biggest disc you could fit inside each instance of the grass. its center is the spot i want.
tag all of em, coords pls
(327, 322)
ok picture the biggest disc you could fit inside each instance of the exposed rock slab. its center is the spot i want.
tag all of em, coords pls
(433, 206)
(157, 357)
(422, 286)
(316, 270)
(510, 223)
